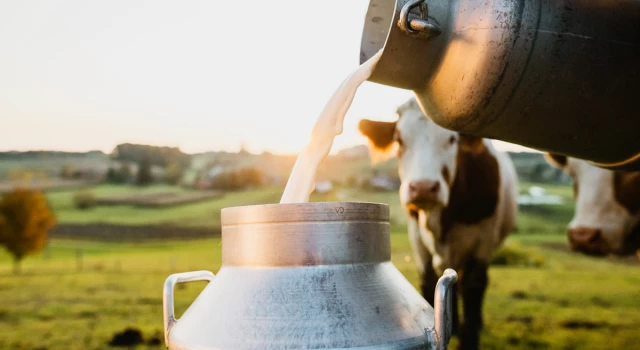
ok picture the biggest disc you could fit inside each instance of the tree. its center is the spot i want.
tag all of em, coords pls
(84, 200)
(174, 173)
(120, 175)
(144, 173)
(25, 220)
(124, 173)
(160, 156)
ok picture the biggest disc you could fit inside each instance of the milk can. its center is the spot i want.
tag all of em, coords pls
(307, 276)
(560, 76)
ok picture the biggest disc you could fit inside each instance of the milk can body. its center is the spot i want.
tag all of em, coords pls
(307, 276)
(560, 76)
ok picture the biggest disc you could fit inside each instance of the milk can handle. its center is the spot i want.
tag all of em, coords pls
(167, 297)
(442, 308)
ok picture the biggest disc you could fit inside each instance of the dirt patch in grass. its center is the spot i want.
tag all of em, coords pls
(601, 302)
(127, 338)
(156, 339)
(149, 301)
(526, 320)
(131, 233)
(159, 199)
(521, 295)
(583, 324)
(87, 314)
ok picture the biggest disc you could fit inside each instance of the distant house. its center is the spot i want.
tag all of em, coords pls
(202, 184)
(384, 183)
(538, 196)
(323, 186)
(215, 171)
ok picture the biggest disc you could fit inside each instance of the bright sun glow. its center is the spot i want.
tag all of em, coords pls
(202, 75)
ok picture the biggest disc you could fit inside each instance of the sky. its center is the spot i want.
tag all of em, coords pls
(79, 75)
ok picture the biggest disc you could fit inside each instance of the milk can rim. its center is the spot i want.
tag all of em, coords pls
(305, 212)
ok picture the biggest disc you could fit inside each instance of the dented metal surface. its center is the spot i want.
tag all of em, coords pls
(559, 76)
(305, 276)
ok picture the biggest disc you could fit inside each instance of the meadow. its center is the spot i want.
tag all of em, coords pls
(563, 301)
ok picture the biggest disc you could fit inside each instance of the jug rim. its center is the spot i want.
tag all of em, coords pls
(305, 234)
(305, 212)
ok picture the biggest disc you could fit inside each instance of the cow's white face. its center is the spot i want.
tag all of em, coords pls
(602, 223)
(426, 155)
(426, 159)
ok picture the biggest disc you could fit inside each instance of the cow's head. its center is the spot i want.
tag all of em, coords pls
(607, 210)
(426, 155)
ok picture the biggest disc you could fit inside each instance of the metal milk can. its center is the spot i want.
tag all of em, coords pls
(307, 276)
(559, 75)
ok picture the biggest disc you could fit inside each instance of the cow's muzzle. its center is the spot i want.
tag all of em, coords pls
(423, 194)
(588, 241)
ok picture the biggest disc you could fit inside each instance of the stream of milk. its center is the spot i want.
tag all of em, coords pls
(327, 127)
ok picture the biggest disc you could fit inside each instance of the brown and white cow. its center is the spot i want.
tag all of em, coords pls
(461, 195)
(607, 214)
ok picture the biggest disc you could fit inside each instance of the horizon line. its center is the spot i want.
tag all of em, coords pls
(211, 150)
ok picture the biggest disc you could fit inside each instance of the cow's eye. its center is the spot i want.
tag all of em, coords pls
(452, 139)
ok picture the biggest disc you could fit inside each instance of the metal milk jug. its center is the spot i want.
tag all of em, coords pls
(559, 75)
(307, 276)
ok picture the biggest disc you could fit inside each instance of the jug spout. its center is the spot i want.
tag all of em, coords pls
(557, 78)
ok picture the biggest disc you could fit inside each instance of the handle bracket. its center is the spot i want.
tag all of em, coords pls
(421, 28)
(167, 296)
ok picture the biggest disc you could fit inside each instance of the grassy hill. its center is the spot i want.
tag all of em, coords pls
(97, 289)
(77, 294)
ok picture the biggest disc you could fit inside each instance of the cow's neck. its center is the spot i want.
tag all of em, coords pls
(627, 193)
(632, 241)
(475, 190)
(627, 190)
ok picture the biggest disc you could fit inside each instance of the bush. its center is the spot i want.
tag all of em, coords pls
(514, 255)
(239, 179)
(84, 200)
(25, 220)
(120, 175)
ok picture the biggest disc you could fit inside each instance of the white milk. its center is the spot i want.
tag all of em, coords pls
(328, 126)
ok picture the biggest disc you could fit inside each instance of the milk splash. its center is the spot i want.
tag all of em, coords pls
(327, 127)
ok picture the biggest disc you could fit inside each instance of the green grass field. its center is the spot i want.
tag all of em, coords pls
(198, 214)
(571, 302)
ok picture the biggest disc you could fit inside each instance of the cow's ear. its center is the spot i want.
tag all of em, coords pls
(381, 136)
(557, 160)
(470, 143)
(411, 104)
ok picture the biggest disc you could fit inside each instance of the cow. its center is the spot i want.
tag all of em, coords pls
(607, 214)
(461, 197)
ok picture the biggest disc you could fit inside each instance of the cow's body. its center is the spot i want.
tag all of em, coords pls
(461, 195)
(471, 225)
(607, 215)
